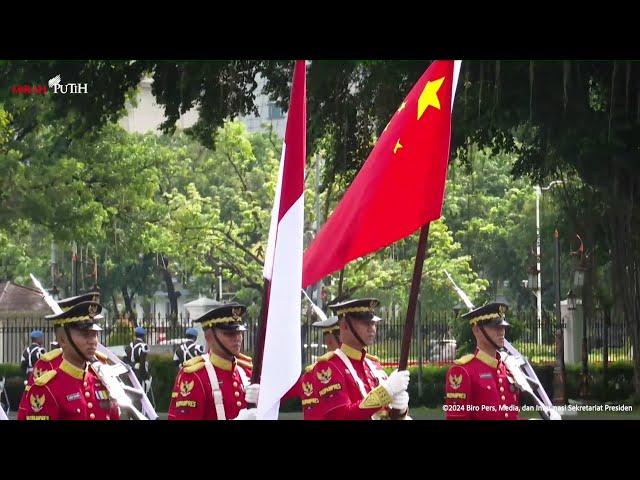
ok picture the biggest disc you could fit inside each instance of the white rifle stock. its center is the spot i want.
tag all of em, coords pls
(524, 377)
(523, 374)
(3, 415)
(109, 376)
(321, 315)
(147, 408)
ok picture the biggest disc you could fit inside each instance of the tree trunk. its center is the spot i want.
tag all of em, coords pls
(171, 291)
(340, 283)
(625, 250)
(146, 309)
(116, 313)
(127, 304)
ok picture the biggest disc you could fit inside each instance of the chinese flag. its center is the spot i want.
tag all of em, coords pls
(401, 185)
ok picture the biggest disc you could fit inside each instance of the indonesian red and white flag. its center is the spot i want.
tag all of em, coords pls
(283, 260)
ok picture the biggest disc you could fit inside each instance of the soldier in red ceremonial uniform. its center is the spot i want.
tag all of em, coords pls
(349, 383)
(330, 332)
(215, 386)
(71, 391)
(331, 338)
(52, 359)
(478, 386)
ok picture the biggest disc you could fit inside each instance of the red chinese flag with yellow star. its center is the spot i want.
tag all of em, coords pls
(401, 185)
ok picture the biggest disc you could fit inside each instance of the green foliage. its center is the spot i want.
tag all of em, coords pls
(10, 370)
(151, 203)
(122, 334)
(24, 249)
(164, 372)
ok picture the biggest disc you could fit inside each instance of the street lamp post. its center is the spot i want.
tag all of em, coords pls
(220, 281)
(538, 290)
(578, 284)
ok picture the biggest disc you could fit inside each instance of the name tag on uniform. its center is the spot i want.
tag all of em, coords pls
(73, 396)
(102, 395)
(485, 375)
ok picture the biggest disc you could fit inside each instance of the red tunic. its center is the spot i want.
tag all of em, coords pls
(48, 361)
(68, 393)
(479, 387)
(329, 391)
(192, 399)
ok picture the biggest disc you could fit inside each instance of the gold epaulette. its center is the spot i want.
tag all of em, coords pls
(193, 361)
(45, 378)
(101, 356)
(465, 359)
(246, 358)
(373, 357)
(47, 357)
(193, 365)
(323, 358)
(244, 363)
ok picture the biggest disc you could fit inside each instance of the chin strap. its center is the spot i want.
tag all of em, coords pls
(225, 349)
(493, 344)
(354, 332)
(67, 330)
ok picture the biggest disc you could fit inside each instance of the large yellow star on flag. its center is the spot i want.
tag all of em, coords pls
(429, 96)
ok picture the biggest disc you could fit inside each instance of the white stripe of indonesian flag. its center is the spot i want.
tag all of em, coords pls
(283, 262)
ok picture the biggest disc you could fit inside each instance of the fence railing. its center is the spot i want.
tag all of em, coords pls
(432, 340)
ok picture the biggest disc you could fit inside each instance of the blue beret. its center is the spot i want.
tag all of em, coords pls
(191, 332)
(140, 331)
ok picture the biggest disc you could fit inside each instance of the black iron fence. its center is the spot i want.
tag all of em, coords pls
(432, 340)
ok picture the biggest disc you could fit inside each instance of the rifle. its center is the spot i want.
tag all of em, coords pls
(524, 376)
(110, 374)
(3, 415)
(321, 315)
(150, 390)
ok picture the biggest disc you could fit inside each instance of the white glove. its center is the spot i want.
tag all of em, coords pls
(146, 385)
(251, 393)
(247, 414)
(400, 401)
(398, 382)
